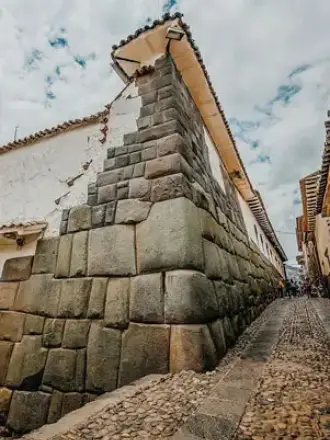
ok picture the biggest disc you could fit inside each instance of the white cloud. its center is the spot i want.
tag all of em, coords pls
(249, 46)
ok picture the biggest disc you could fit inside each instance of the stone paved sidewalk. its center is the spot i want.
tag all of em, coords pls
(293, 398)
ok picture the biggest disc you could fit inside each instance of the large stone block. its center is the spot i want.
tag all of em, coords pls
(76, 333)
(192, 348)
(34, 325)
(97, 298)
(28, 410)
(6, 349)
(55, 408)
(71, 402)
(145, 351)
(222, 292)
(229, 332)
(219, 339)
(11, 326)
(170, 237)
(147, 299)
(103, 354)
(16, 269)
(45, 257)
(78, 265)
(7, 295)
(170, 187)
(116, 304)
(74, 298)
(27, 363)
(112, 251)
(216, 265)
(39, 295)
(53, 332)
(65, 369)
(64, 256)
(132, 211)
(80, 218)
(161, 166)
(139, 188)
(189, 298)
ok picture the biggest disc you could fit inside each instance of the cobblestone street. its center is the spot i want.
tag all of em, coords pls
(293, 399)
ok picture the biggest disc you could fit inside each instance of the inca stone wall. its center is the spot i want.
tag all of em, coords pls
(154, 274)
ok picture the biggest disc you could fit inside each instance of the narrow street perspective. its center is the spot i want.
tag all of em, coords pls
(164, 263)
(293, 397)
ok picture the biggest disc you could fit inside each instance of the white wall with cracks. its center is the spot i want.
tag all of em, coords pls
(33, 179)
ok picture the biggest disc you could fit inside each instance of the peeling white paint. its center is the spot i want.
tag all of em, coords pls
(33, 177)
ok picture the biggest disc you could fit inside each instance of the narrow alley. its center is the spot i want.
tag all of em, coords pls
(293, 398)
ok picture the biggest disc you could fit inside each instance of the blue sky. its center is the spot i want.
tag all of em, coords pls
(269, 62)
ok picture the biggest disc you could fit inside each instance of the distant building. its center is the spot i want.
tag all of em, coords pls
(313, 227)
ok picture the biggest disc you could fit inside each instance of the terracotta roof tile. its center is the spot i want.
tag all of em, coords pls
(50, 132)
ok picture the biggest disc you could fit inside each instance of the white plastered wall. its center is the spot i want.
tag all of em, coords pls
(215, 161)
(33, 177)
(251, 223)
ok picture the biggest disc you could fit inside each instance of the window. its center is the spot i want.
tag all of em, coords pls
(262, 242)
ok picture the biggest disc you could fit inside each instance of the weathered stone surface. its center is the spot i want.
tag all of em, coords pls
(192, 348)
(16, 269)
(229, 332)
(132, 211)
(64, 256)
(139, 188)
(11, 326)
(189, 298)
(97, 298)
(112, 251)
(55, 408)
(7, 295)
(27, 363)
(161, 166)
(147, 299)
(145, 350)
(170, 237)
(28, 410)
(170, 187)
(65, 369)
(116, 304)
(171, 144)
(103, 354)
(216, 266)
(40, 295)
(34, 325)
(110, 211)
(78, 265)
(98, 214)
(222, 292)
(80, 218)
(218, 335)
(53, 332)
(45, 257)
(74, 298)
(76, 333)
(5, 398)
(71, 402)
(107, 193)
(6, 349)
